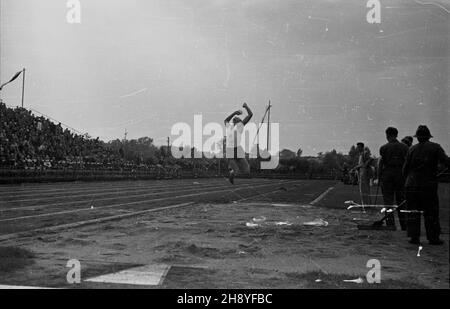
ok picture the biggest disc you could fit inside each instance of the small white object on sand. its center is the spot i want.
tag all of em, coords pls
(259, 219)
(250, 224)
(317, 222)
(418, 251)
(358, 281)
(283, 223)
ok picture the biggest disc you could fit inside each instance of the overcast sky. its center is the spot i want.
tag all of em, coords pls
(143, 65)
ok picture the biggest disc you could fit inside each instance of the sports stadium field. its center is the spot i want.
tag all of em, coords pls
(206, 233)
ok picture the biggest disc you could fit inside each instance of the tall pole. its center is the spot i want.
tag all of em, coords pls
(268, 126)
(23, 85)
(168, 146)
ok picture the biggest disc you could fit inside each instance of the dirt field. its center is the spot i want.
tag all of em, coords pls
(259, 233)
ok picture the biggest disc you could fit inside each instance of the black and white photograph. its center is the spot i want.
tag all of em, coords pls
(224, 150)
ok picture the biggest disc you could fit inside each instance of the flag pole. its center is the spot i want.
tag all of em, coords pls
(23, 85)
(268, 126)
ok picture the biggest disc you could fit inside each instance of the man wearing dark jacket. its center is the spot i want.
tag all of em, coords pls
(393, 156)
(421, 186)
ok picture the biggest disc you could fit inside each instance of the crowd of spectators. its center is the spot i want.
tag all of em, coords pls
(28, 141)
(34, 142)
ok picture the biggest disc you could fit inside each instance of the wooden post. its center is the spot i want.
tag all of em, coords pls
(23, 85)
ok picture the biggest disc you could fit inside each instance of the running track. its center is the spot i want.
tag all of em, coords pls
(34, 207)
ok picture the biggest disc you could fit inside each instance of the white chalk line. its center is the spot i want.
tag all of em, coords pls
(125, 204)
(151, 275)
(259, 194)
(82, 188)
(68, 189)
(89, 222)
(242, 198)
(438, 5)
(97, 192)
(21, 287)
(55, 187)
(318, 199)
(96, 200)
(58, 193)
(83, 202)
(62, 185)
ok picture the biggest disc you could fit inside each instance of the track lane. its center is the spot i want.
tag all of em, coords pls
(119, 190)
(50, 187)
(99, 199)
(71, 216)
(220, 190)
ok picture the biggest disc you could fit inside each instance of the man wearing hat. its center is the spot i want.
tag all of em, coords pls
(390, 165)
(420, 170)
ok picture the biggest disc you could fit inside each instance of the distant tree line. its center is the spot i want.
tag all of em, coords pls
(144, 151)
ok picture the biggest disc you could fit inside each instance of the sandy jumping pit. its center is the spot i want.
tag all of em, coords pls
(245, 245)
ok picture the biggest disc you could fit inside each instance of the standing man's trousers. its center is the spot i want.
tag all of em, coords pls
(392, 187)
(423, 199)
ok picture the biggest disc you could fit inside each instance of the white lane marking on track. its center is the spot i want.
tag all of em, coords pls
(11, 194)
(92, 221)
(88, 188)
(262, 194)
(96, 200)
(58, 187)
(113, 191)
(21, 287)
(321, 196)
(144, 275)
(77, 190)
(63, 185)
(4, 189)
(127, 204)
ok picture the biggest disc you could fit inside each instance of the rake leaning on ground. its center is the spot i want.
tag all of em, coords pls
(387, 209)
(388, 213)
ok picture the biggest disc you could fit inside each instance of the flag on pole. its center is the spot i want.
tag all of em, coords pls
(12, 79)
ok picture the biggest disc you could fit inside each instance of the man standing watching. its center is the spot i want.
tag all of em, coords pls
(364, 172)
(392, 159)
(421, 186)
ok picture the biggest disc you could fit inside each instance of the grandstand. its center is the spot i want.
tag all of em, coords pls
(35, 142)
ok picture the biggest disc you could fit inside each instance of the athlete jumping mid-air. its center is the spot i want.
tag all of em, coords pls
(237, 163)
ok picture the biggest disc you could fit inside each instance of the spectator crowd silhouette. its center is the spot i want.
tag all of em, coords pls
(28, 141)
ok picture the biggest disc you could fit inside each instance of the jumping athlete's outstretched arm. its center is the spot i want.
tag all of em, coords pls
(228, 119)
(249, 114)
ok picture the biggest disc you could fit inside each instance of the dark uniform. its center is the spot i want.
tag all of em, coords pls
(393, 155)
(421, 186)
